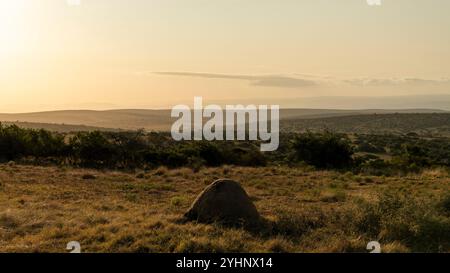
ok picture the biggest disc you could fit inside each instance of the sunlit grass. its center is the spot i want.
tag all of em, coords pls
(43, 208)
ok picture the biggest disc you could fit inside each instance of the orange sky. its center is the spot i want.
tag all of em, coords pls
(104, 53)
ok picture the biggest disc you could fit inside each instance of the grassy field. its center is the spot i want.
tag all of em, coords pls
(43, 208)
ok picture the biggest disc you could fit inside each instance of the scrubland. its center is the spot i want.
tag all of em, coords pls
(306, 210)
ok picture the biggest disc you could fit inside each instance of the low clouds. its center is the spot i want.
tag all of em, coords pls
(411, 82)
(298, 81)
(263, 80)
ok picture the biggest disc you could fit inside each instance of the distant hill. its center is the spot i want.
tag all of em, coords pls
(160, 120)
(123, 119)
(420, 123)
(325, 113)
(62, 128)
(411, 101)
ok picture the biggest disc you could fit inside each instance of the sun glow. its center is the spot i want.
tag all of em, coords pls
(12, 19)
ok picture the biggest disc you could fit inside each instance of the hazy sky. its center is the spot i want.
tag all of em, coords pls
(158, 53)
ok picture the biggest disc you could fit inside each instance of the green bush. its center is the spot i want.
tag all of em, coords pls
(323, 150)
(16, 142)
(93, 149)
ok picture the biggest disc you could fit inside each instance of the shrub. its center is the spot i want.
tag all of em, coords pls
(323, 150)
(380, 167)
(210, 153)
(140, 150)
(12, 143)
(92, 149)
(414, 223)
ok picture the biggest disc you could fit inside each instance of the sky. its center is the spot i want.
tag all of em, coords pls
(105, 54)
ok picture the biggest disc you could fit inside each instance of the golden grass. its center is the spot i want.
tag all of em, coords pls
(43, 208)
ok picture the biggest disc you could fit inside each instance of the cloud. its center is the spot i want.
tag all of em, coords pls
(426, 81)
(297, 81)
(262, 80)
(377, 82)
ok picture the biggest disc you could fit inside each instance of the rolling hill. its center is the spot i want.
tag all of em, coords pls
(420, 123)
(160, 120)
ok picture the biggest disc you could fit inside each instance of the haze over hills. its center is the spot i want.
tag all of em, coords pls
(419, 123)
(431, 101)
(123, 119)
(393, 103)
(160, 120)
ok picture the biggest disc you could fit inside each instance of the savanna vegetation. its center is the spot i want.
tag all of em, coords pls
(127, 192)
(373, 154)
(44, 208)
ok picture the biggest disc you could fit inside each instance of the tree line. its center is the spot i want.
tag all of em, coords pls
(140, 149)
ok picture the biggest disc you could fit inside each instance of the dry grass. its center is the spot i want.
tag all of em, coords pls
(43, 208)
